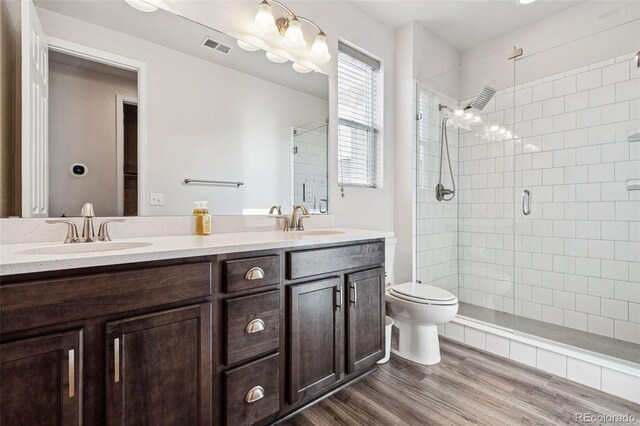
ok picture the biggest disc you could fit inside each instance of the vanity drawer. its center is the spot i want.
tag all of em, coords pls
(306, 263)
(258, 382)
(45, 302)
(252, 325)
(245, 274)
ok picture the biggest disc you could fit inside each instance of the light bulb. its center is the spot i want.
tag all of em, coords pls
(247, 46)
(142, 6)
(319, 49)
(294, 36)
(301, 68)
(275, 58)
(264, 23)
(458, 113)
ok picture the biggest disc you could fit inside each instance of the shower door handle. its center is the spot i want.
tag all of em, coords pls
(526, 202)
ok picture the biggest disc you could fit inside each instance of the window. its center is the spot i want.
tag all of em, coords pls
(358, 77)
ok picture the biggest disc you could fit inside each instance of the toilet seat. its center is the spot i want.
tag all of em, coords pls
(423, 294)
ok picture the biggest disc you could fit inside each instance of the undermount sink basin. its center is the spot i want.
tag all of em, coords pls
(322, 232)
(86, 247)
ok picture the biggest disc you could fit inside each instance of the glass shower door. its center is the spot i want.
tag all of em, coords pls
(466, 245)
(577, 258)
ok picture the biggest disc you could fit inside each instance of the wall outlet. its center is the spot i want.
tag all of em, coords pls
(156, 199)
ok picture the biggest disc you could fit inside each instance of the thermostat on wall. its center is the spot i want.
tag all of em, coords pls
(78, 170)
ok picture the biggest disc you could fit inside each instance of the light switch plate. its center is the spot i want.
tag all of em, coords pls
(156, 199)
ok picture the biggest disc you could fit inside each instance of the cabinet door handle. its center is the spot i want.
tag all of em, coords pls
(354, 301)
(526, 202)
(256, 273)
(116, 360)
(254, 326)
(72, 373)
(339, 298)
(256, 393)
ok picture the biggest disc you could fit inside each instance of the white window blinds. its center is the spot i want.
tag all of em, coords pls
(357, 118)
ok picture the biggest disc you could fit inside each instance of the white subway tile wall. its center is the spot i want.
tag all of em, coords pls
(436, 222)
(575, 261)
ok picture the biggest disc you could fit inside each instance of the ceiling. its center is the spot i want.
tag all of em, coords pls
(463, 24)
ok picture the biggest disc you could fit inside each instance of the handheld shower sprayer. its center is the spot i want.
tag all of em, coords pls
(478, 103)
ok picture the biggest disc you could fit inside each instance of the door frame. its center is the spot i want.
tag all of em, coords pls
(108, 58)
(121, 101)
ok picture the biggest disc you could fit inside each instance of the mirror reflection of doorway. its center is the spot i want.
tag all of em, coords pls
(93, 126)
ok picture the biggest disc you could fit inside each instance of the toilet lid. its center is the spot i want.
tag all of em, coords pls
(422, 292)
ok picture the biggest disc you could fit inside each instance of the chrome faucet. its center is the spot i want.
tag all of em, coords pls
(87, 213)
(296, 221)
(88, 234)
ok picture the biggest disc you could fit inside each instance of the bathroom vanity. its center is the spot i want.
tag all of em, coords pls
(218, 335)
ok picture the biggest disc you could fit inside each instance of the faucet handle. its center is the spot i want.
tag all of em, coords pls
(277, 209)
(87, 210)
(103, 231)
(287, 222)
(299, 226)
(72, 230)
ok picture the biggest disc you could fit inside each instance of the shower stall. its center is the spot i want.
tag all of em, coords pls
(542, 235)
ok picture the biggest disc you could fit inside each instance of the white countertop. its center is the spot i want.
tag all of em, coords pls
(13, 260)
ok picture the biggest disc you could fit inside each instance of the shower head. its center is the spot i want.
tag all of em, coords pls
(482, 99)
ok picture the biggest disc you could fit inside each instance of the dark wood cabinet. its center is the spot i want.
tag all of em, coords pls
(41, 380)
(159, 368)
(314, 314)
(365, 319)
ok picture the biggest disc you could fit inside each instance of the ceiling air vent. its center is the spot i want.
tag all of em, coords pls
(216, 45)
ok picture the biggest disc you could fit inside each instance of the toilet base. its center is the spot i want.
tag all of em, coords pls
(418, 342)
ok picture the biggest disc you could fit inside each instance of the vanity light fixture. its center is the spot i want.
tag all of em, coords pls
(275, 58)
(247, 46)
(141, 5)
(291, 30)
(301, 68)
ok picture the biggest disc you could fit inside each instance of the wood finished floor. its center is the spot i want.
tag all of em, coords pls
(467, 387)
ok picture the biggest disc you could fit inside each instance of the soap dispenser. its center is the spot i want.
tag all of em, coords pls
(203, 218)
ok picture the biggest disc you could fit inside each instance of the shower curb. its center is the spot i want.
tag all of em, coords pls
(607, 374)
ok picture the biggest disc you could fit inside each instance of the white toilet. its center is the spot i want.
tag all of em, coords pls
(417, 309)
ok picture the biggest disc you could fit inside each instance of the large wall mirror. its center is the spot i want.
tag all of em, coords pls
(143, 113)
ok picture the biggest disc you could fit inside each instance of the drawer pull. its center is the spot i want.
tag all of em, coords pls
(256, 393)
(254, 326)
(72, 373)
(254, 274)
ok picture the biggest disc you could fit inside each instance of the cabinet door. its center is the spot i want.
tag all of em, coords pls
(159, 368)
(365, 319)
(314, 336)
(41, 380)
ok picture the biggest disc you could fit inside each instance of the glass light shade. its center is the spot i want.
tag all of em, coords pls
(319, 49)
(264, 22)
(247, 46)
(142, 6)
(301, 68)
(275, 58)
(294, 37)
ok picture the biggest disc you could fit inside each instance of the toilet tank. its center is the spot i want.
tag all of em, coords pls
(389, 254)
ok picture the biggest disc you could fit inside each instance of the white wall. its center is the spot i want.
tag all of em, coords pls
(206, 121)
(362, 208)
(82, 129)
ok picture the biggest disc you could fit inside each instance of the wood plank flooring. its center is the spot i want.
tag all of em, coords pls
(467, 387)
